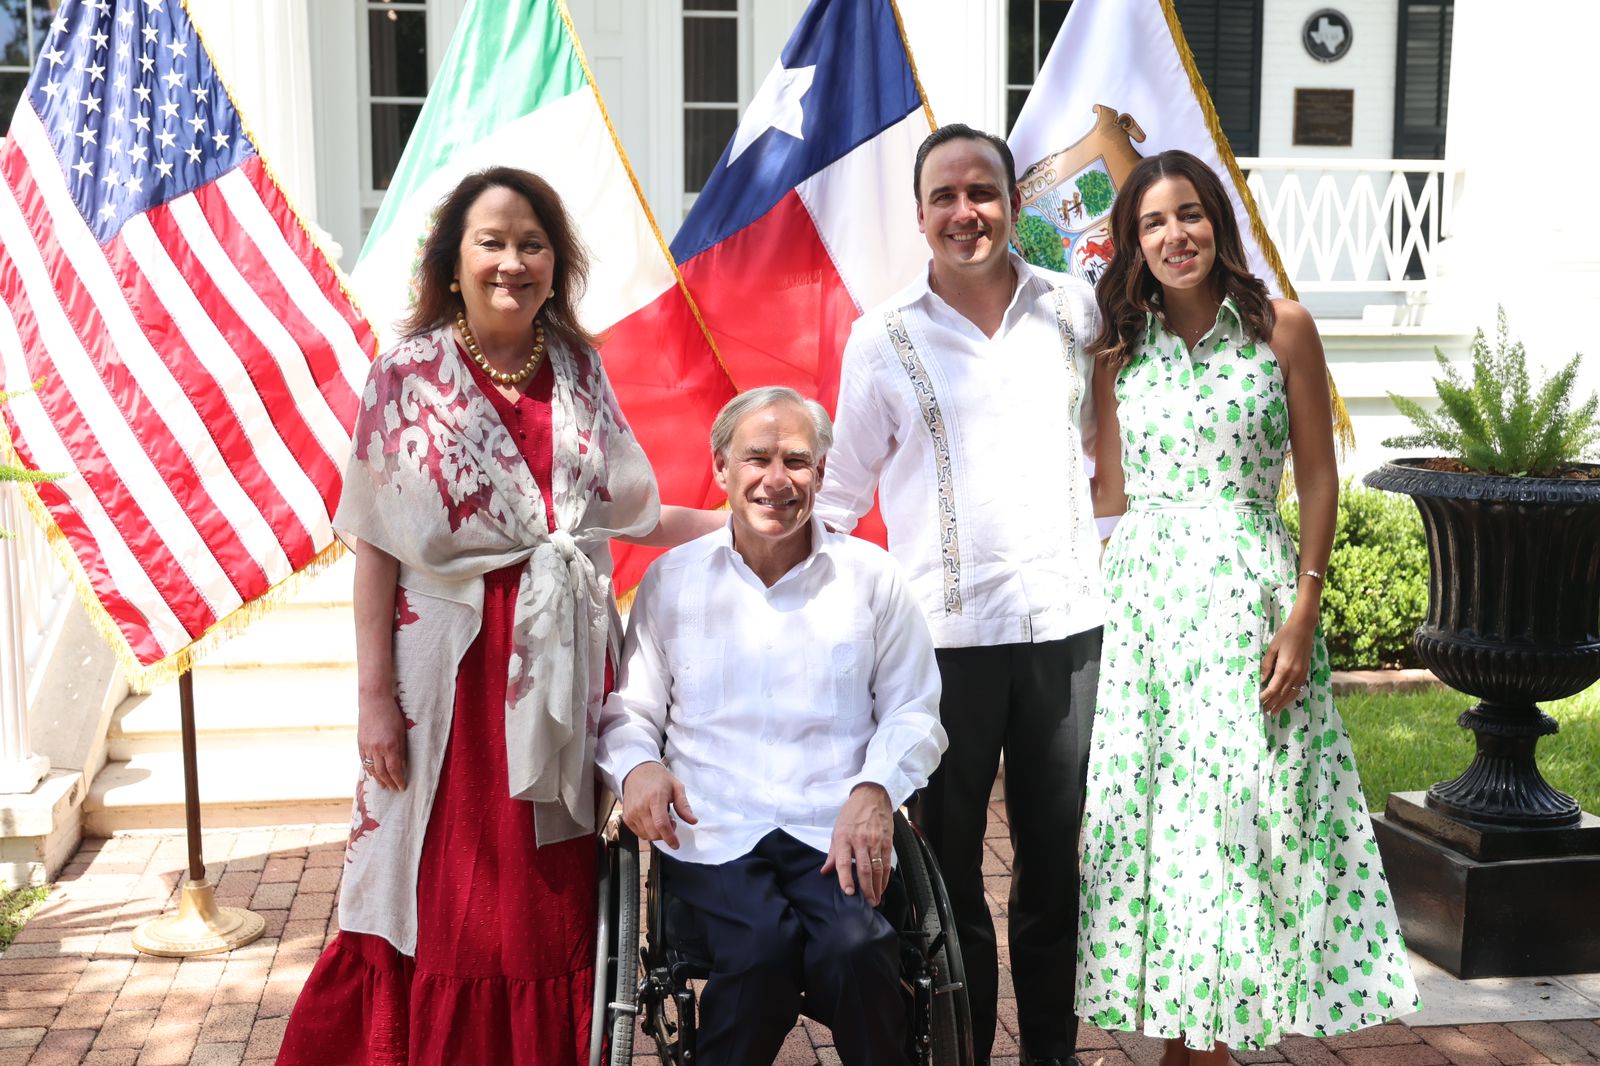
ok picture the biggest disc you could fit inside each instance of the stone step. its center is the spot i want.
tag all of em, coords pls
(275, 717)
(295, 634)
(278, 784)
(313, 705)
(331, 587)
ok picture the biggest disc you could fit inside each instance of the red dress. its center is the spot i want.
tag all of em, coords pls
(504, 971)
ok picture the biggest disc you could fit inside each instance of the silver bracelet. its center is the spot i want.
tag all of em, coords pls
(1310, 573)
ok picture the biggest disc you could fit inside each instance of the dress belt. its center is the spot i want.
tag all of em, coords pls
(1148, 503)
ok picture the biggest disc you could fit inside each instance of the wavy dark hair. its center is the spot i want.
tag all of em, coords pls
(436, 305)
(1127, 291)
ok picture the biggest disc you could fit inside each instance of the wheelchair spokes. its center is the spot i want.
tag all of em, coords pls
(654, 990)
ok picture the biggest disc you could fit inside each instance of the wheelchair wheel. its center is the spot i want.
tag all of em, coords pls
(616, 969)
(951, 1017)
(667, 999)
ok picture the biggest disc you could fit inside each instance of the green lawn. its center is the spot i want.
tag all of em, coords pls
(15, 906)
(1406, 742)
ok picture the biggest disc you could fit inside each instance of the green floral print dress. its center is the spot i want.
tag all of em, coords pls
(1231, 889)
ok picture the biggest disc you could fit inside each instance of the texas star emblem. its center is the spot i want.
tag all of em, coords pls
(1066, 197)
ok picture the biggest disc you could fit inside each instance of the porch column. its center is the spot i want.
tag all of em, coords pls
(263, 53)
(20, 768)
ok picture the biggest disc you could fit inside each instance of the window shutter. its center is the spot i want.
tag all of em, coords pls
(1225, 38)
(1422, 82)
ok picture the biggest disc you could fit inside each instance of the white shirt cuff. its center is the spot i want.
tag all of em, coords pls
(621, 764)
(892, 779)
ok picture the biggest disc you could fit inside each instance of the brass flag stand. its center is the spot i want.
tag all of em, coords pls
(200, 927)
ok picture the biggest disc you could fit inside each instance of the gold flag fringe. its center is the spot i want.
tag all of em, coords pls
(911, 61)
(272, 175)
(638, 191)
(1343, 432)
(143, 677)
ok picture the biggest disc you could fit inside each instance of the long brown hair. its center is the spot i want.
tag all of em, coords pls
(1127, 291)
(436, 304)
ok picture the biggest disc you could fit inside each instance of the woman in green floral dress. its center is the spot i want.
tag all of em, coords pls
(1231, 889)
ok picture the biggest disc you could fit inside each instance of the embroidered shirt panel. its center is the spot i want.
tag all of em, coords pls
(943, 471)
(975, 447)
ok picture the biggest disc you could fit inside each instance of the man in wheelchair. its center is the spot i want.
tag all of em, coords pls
(777, 701)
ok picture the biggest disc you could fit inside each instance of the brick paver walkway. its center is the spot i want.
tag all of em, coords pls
(73, 991)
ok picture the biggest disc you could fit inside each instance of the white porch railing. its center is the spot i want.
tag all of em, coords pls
(33, 599)
(1355, 225)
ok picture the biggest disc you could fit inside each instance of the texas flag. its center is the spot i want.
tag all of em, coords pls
(809, 217)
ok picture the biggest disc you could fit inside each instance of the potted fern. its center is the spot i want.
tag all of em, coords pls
(1512, 513)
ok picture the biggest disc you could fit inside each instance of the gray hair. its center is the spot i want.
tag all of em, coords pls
(748, 403)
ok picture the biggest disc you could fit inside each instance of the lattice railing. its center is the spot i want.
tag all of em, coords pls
(1358, 225)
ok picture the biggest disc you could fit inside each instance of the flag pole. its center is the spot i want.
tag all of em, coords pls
(200, 927)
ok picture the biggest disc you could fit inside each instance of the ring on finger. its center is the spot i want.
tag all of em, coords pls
(367, 761)
(877, 861)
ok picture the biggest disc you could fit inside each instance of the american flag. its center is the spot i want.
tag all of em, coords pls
(200, 358)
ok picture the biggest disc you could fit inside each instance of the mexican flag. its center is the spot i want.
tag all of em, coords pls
(515, 90)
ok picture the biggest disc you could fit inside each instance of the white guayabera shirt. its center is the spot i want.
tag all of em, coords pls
(771, 704)
(980, 444)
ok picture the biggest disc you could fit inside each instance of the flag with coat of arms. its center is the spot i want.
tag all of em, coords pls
(1120, 84)
(197, 356)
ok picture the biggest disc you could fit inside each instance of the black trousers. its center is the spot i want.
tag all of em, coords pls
(777, 927)
(1036, 703)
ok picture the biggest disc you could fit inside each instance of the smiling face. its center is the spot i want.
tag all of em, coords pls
(965, 209)
(771, 474)
(1175, 234)
(505, 265)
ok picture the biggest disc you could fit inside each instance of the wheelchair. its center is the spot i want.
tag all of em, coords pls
(643, 983)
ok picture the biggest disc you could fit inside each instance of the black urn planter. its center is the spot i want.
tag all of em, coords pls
(1513, 619)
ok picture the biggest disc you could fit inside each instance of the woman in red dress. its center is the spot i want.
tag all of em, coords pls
(491, 467)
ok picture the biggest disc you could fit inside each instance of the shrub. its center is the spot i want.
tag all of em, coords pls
(1376, 591)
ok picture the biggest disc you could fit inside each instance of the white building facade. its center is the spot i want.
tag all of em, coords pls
(331, 87)
(1411, 168)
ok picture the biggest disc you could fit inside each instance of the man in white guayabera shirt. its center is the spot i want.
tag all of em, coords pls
(964, 403)
(777, 700)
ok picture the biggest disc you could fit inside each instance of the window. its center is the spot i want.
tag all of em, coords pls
(24, 25)
(1031, 28)
(710, 86)
(1225, 37)
(395, 85)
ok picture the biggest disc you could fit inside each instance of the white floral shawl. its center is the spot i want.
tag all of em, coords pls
(437, 481)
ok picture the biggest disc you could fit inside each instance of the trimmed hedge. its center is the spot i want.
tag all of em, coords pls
(1376, 592)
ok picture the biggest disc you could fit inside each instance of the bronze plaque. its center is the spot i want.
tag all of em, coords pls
(1324, 118)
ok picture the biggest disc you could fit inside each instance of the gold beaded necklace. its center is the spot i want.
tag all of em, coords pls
(497, 376)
